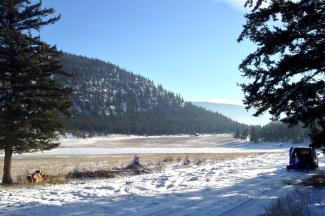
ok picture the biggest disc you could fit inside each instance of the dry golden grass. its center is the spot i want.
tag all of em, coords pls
(58, 166)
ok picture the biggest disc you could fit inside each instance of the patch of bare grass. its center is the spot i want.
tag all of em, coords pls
(133, 168)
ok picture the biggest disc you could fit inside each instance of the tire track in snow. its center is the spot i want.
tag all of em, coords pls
(213, 204)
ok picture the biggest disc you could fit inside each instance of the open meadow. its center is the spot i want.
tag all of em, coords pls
(218, 176)
(118, 150)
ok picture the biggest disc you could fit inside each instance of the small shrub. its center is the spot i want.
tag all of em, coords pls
(135, 167)
(135, 163)
(187, 161)
(293, 204)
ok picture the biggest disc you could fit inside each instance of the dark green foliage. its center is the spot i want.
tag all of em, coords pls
(237, 134)
(317, 136)
(277, 131)
(274, 132)
(288, 67)
(244, 134)
(30, 99)
(108, 99)
(254, 136)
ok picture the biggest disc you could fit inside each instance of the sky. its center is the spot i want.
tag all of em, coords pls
(187, 46)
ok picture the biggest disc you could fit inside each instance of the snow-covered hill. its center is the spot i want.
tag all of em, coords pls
(108, 99)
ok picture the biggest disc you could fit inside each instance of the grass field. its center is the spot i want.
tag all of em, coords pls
(62, 164)
(56, 165)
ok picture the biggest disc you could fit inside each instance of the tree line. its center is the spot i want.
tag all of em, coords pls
(274, 132)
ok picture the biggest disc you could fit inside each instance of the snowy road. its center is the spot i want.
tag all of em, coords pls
(241, 186)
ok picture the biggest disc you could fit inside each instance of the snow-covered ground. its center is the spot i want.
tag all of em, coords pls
(131, 144)
(119, 151)
(241, 186)
(122, 144)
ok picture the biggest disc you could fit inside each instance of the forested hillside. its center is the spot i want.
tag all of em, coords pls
(108, 99)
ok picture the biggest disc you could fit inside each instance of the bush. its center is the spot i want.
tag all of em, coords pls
(135, 163)
(295, 203)
(187, 161)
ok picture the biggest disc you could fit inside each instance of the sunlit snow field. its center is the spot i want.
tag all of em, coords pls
(120, 144)
(243, 185)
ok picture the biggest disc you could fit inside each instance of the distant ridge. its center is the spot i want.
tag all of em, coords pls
(235, 112)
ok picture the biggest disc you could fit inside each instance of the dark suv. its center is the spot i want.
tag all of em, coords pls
(302, 158)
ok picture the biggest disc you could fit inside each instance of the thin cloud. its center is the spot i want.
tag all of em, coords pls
(226, 101)
(237, 4)
(222, 101)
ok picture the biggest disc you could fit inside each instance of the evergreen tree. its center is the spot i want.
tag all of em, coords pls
(254, 134)
(237, 134)
(30, 99)
(288, 67)
(277, 131)
(245, 133)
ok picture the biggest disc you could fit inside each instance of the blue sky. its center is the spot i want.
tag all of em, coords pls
(188, 46)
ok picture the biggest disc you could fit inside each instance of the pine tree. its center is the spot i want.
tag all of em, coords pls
(288, 68)
(237, 134)
(245, 133)
(31, 101)
(253, 135)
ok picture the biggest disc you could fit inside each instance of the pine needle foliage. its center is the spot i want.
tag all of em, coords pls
(31, 101)
(287, 69)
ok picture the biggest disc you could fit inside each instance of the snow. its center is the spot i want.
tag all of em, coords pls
(124, 106)
(225, 147)
(157, 150)
(240, 186)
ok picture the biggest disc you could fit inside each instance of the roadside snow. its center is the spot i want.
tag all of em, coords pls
(241, 186)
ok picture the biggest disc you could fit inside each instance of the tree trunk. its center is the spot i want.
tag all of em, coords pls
(6, 179)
